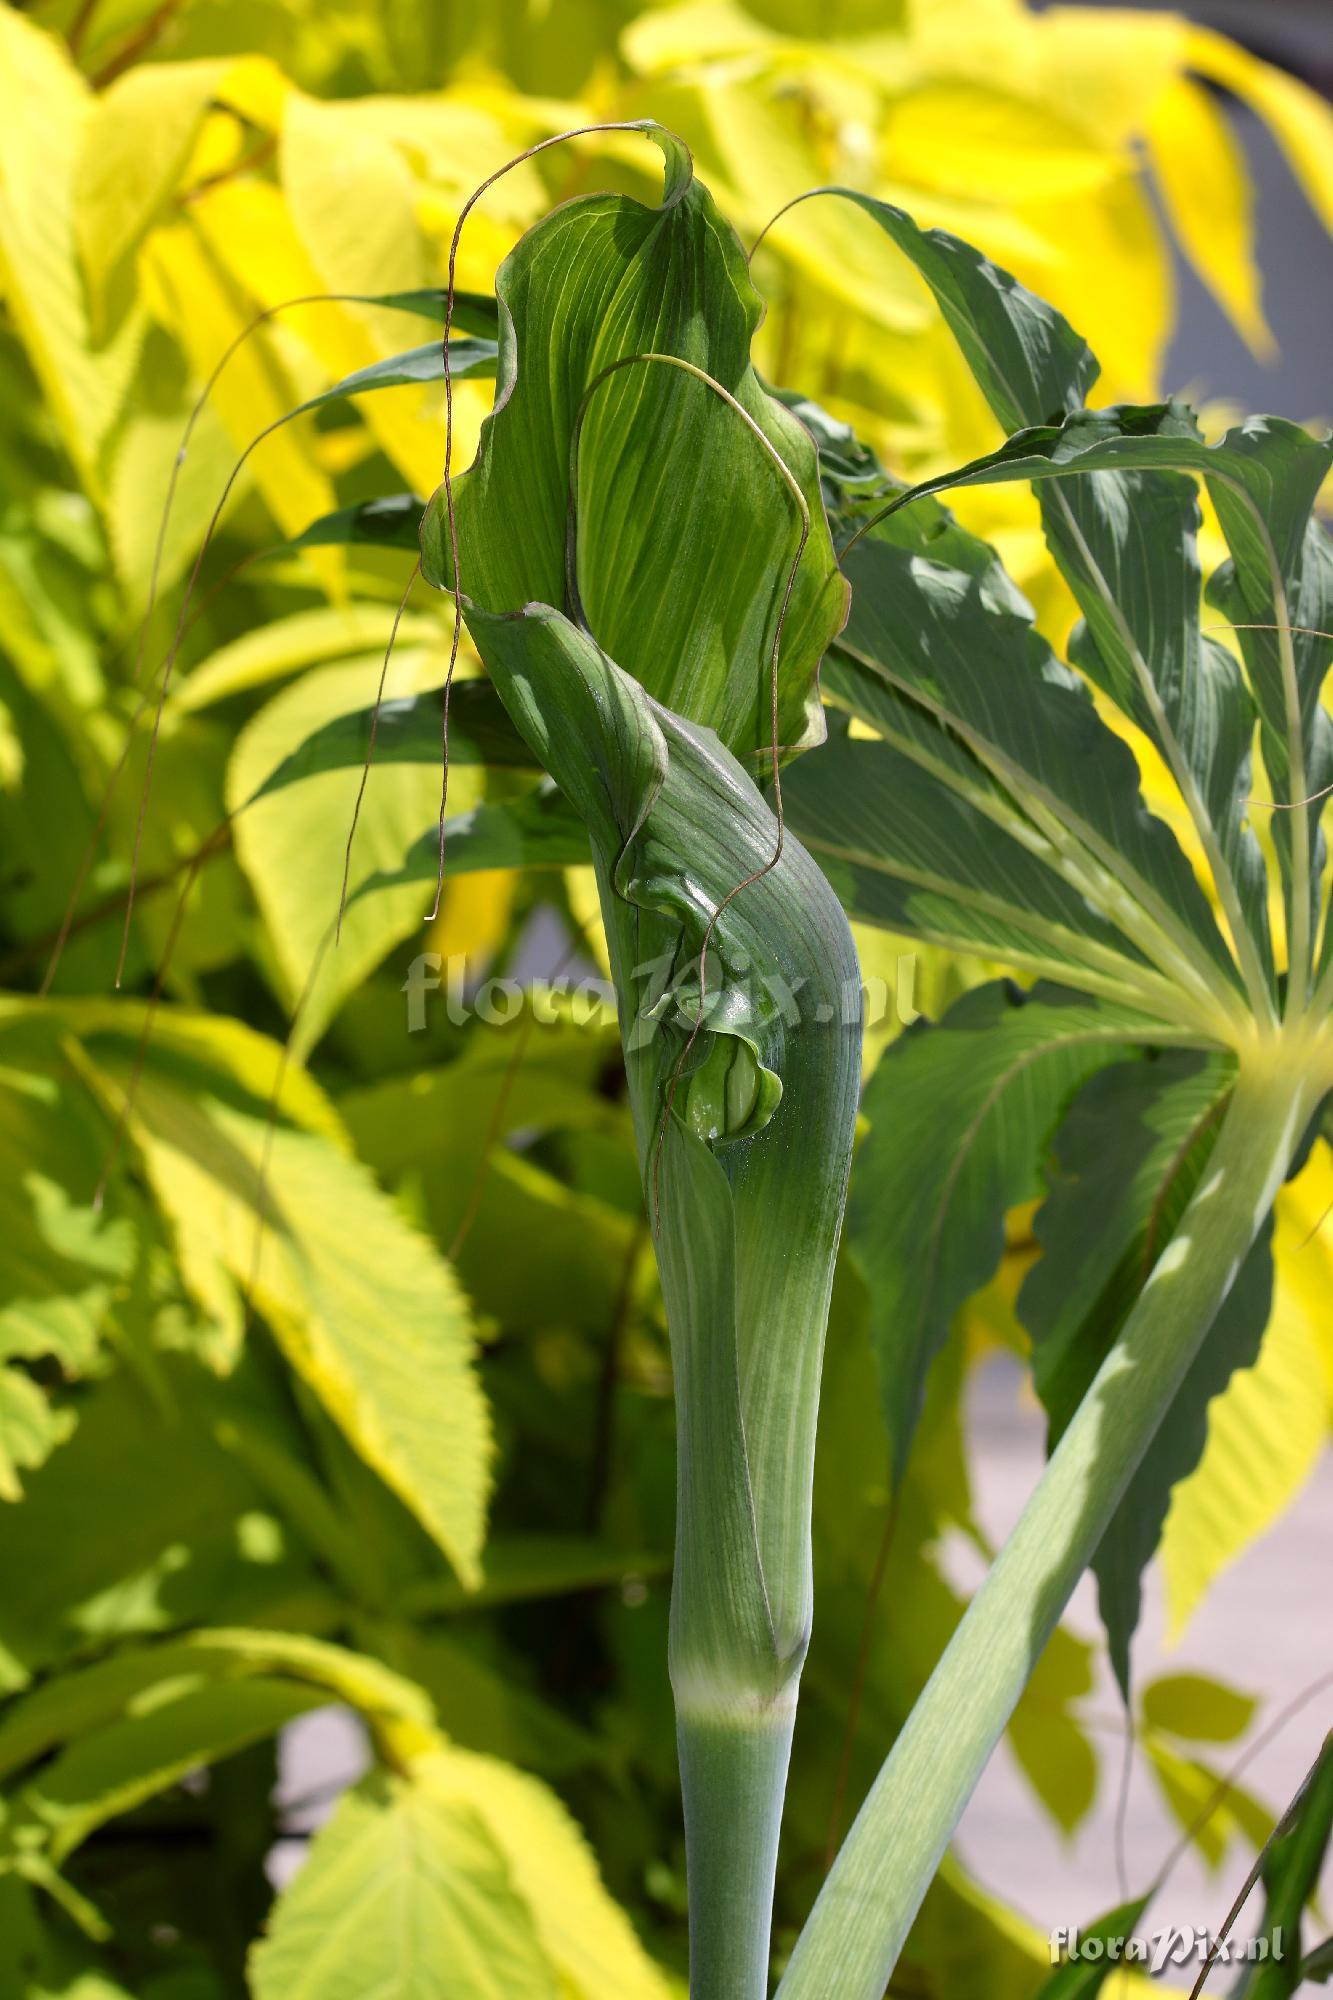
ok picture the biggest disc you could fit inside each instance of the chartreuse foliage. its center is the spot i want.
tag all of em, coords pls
(251, 1375)
(445, 1866)
(1154, 1160)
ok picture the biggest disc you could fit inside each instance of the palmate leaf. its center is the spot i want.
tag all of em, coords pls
(921, 858)
(940, 657)
(1118, 541)
(932, 613)
(960, 1116)
(1126, 547)
(1127, 1159)
(680, 578)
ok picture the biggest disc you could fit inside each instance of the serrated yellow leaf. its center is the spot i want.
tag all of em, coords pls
(667, 38)
(1299, 119)
(1108, 66)
(962, 138)
(284, 646)
(474, 915)
(219, 148)
(138, 479)
(350, 195)
(585, 1935)
(257, 89)
(291, 842)
(404, 1894)
(137, 141)
(254, 390)
(44, 106)
(1202, 174)
(351, 206)
(1113, 281)
(365, 1310)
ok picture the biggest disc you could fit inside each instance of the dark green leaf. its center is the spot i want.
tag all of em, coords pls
(538, 830)
(954, 675)
(472, 312)
(1317, 1968)
(391, 523)
(1031, 365)
(407, 731)
(916, 856)
(959, 1116)
(1121, 554)
(467, 357)
(1085, 1974)
(1128, 1157)
(1291, 1874)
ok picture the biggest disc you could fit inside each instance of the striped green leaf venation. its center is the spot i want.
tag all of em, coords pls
(744, 1103)
(914, 856)
(959, 1117)
(941, 658)
(1262, 477)
(1126, 545)
(680, 578)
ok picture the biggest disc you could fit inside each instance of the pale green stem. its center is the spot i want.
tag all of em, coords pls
(733, 1776)
(860, 1922)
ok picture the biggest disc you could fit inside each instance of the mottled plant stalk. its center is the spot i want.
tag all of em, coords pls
(860, 1922)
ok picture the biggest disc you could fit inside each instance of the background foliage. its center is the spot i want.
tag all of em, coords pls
(427, 1476)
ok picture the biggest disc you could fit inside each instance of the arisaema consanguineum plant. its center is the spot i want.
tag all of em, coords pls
(972, 795)
(654, 552)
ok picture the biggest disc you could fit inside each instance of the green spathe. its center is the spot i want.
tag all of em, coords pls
(680, 578)
(744, 1112)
